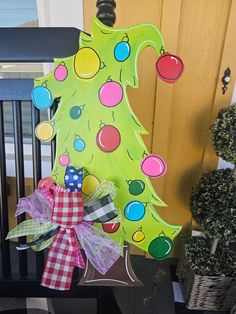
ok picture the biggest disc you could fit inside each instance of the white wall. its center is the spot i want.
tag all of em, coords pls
(60, 13)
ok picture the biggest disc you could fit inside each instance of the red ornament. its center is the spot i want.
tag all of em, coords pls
(169, 67)
(46, 182)
(108, 138)
(111, 228)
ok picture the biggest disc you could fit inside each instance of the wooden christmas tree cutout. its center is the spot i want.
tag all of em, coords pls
(96, 129)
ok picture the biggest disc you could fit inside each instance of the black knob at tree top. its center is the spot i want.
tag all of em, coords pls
(106, 12)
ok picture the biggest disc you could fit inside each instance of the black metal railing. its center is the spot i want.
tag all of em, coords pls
(20, 176)
(21, 45)
(20, 89)
(37, 174)
(14, 92)
(4, 224)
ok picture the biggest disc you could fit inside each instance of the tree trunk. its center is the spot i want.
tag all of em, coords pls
(120, 274)
(214, 246)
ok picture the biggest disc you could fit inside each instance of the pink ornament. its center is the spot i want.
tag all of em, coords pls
(169, 67)
(61, 72)
(153, 166)
(111, 94)
(64, 160)
(108, 138)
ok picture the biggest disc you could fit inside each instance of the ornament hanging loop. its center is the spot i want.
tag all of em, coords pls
(77, 136)
(162, 234)
(44, 84)
(102, 65)
(126, 38)
(162, 50)
(101, 124)
(109, 79)
(82, 107)
(145, 154)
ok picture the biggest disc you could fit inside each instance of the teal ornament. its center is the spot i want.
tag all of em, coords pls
(75, 112)
(136, 187)
(134, 210)
(122, 51)
(42, 97)
(160, 247)
(79, 144)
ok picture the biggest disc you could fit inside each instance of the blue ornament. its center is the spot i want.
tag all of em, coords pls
(42, 97)
(122, 51)
(134, 211)
(79, 144)
(75, 112)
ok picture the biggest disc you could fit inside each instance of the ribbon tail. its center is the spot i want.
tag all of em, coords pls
(79, 260)
(60, 261)
(100, 249)
(41, 238)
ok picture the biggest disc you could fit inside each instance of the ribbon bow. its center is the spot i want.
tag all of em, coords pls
(71, 221)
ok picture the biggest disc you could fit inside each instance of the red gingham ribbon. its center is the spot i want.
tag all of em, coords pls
(64, 253)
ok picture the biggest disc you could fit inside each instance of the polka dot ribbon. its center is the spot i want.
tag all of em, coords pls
(73, 179)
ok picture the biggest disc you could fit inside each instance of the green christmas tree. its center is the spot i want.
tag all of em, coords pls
(96, 129)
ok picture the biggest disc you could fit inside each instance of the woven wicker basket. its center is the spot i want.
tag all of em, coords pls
(206, 292)
(233, 311)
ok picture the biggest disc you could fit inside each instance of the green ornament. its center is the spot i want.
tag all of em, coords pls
(160, 247)
(136, 187)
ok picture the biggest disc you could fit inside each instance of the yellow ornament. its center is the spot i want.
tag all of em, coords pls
(86, 63)
(90, 183)
(138, 235)
(44, 131)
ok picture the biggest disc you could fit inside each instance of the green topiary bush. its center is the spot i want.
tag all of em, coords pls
(201, 262)
(213, 204)
(224, 134)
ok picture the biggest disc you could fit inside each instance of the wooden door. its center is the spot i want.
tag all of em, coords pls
(178, 116)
